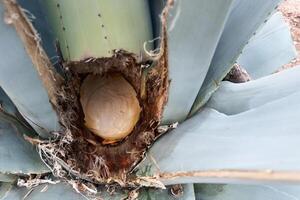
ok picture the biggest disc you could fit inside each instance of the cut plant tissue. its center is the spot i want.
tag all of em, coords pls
(108, 99)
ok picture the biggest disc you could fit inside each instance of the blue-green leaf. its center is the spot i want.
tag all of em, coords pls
(6, 104)
(244, 20)
(194, 29)
(17, 156)
(4, 189)
(9, 113)
(232, 98)
(211, 146)
(269, 49)
(8, 177)
(246, 192)
(21, 82)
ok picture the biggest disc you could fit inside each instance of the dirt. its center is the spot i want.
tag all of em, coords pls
(291, 12)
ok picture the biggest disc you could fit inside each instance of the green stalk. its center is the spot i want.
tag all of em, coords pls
(94, 28)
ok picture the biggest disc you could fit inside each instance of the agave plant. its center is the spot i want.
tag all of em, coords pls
(93, 91)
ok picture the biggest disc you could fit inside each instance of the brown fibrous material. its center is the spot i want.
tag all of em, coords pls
(99, 161)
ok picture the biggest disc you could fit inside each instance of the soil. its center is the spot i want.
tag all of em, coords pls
(291, 12)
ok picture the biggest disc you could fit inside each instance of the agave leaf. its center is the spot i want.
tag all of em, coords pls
(6, 104)
(10, 114)
(4, 189)
(244, 20)
(17, 155)
(209, 191)
(92, 28)
(261, 144)
(8, 177)
(18, 123)
(233, 98)
(194, 29)
(246, 192)
(269, 49)
(21, 82)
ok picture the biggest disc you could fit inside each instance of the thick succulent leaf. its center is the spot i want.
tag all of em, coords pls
(194, 29)
(246, 192)
(4, 189)
(8, 177)
(166, 194)
(21, 82)
(6, 104)
(17, 156)
(232, 98)
(244, 20)
(9, 113)
(269, 49)
(255, 145)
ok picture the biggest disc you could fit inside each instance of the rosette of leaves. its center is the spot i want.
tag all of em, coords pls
(92, 92)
